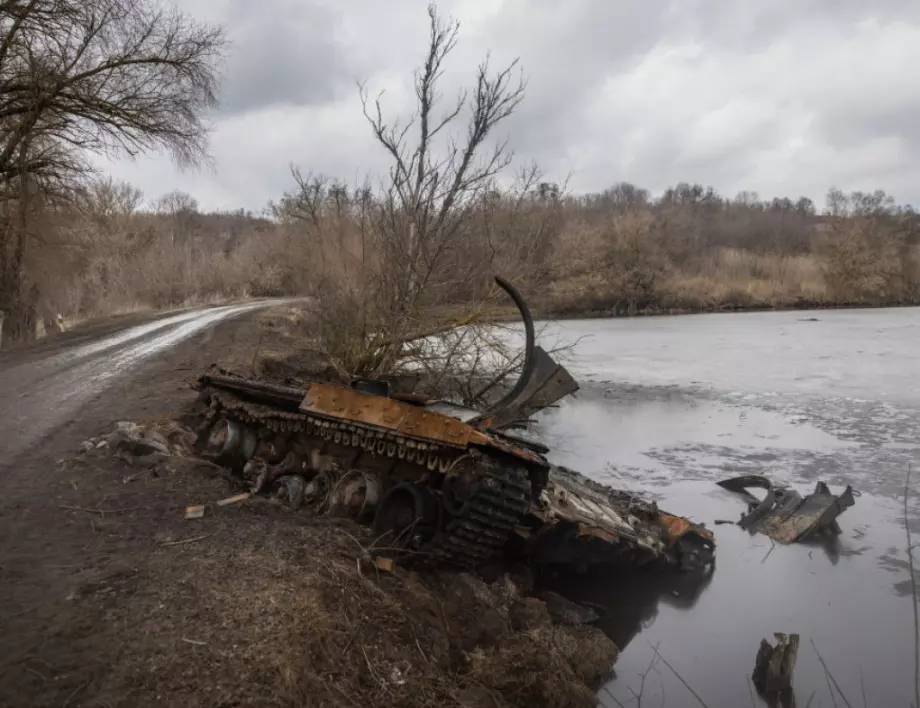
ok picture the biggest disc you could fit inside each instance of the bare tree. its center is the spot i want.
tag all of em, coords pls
(107, 200)
(92, 76)
(437, 181)
(403, 275)
(176, 203)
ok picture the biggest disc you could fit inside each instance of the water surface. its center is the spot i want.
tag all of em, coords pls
(670, 405)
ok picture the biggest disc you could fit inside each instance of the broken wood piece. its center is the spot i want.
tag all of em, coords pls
(101, 512)
(237, 498)
(774, 669)
(383, 563)
(194, 512)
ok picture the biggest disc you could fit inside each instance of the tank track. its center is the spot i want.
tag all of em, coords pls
(498, 502)
(350, 434)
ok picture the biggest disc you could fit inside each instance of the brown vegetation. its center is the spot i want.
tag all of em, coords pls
(592, 257)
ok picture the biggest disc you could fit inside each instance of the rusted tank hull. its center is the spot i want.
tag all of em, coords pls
(469, 495)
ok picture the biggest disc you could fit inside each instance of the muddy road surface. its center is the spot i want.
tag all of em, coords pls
(45, 386)
(670, 405)
(75, 578)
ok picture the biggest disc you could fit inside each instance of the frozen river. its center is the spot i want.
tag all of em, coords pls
(670, 405)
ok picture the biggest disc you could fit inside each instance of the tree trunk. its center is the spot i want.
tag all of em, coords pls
(20, 321)
(774, 670)
(19, 303)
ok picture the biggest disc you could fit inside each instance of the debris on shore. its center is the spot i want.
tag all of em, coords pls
(785, 515)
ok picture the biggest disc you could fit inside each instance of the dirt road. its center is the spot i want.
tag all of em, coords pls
(41, 389)
(69, 579)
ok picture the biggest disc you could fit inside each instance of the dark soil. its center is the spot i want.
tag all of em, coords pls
(111, 597)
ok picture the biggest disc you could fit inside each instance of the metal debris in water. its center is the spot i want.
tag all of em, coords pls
(785, 515)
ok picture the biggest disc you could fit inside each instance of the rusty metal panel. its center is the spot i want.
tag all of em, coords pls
(385, 413)
(677, 527)
(477, 437)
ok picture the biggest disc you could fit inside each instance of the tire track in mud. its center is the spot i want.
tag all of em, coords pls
(38, 396)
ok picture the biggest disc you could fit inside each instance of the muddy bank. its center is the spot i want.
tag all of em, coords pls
(622, 311)
(591, 313)
(257, 604)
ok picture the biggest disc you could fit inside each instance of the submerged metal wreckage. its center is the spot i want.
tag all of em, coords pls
(785, 515)
(448, 484)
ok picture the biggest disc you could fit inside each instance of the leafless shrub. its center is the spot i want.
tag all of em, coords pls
(101, 253)
(398, 269)
(637, 262)
(868, 260)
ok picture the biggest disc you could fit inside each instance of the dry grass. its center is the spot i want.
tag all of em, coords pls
(630, 268)
(546, 666)
(738, 277)
(308, 620)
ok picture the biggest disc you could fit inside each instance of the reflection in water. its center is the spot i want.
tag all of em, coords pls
(626, 596)
(830, 546)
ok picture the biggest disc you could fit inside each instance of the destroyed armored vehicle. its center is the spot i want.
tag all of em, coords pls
(446, 484)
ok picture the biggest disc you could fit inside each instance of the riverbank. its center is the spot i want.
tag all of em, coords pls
(798, 305)
(543, 313)
(111, 595)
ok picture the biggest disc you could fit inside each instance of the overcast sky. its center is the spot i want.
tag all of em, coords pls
(781, 97)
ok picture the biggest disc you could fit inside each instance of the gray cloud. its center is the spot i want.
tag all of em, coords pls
(567, 50)
(285, 52)
(782, 97)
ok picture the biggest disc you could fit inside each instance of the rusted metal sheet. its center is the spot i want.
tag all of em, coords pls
(338, 402)
(333, 401)
(785, 515)
(499, 443)
(676, 527)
